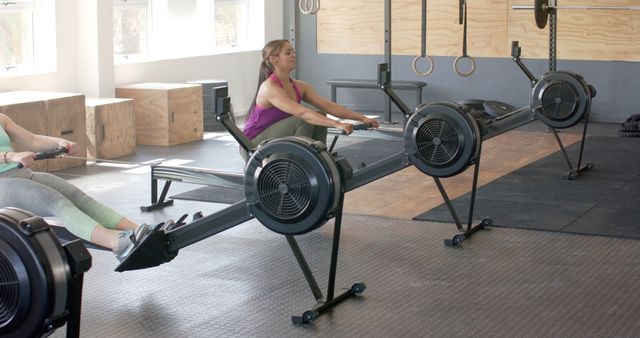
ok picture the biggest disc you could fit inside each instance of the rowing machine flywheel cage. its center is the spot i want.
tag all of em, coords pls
(34, 276)
(560, 99)
(292, 185)
(442, 139)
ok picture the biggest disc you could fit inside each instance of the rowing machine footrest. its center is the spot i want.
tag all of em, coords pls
(151, 251)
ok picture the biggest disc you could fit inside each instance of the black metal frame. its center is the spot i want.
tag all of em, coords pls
(579, 168)
(553, 51)
(470, 229)
(384, 78)
(160, 247)
(79, 261)
(324, 304)
(515, 54)
(202, 176)
(58, 268)
(490, 129)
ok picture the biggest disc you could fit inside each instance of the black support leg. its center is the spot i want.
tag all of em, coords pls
(322, 306)
(470, 229)
(304, 266)
(575, 171)
(75, 304)
(155, 202)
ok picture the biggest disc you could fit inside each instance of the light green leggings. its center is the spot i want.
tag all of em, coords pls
(291, 126)
(45, 195)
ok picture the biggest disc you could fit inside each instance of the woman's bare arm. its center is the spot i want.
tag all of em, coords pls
(277, 97)
(310, 96)
(31, 141)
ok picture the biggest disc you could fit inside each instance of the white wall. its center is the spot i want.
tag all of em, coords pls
(239, 69)
(76, 73)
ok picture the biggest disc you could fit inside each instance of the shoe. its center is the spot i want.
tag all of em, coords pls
(156, 227)
(125, 244)
(141, 232)
(196, 216)
(168, 225)
(128, 240)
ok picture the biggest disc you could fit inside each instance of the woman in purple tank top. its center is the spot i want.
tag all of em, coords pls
(276, 110)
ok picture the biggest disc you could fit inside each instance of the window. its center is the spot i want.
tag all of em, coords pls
(27, 36)
(239, 23)
(130, 26)
(159, 29)
(230, 24)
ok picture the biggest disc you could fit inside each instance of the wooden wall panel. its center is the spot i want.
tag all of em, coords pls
(350, 27)
(444, 34)
(522, 27)
(582, 34)
(486, 28)
(599, 34)
(405, 27)
(356, 27)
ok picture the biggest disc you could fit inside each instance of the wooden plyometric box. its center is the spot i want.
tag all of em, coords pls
(30, 115)
(166, 113)
(210, 89)
(111, 128)
(53, 114)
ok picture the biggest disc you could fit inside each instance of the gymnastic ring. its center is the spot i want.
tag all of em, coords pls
(457, 62)
(414, 65)
(309, 10)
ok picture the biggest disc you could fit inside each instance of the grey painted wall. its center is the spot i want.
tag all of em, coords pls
(617, 83)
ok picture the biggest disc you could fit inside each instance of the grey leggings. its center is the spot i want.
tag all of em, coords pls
(291, 126)
(45, 195)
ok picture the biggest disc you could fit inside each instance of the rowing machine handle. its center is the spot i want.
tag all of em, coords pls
(51, 153)
(358, 126)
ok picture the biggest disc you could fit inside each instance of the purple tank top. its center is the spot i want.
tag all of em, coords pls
(262, 118)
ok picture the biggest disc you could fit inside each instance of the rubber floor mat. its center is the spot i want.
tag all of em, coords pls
(602, 201)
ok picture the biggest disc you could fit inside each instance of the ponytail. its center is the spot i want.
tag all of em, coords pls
(272, 48)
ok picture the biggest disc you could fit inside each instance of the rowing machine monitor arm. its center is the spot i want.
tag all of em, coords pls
(516, 51)
(384, 82)
(223, 108)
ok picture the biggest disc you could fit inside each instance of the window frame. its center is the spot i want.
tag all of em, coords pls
(42, 40)
(136, 4)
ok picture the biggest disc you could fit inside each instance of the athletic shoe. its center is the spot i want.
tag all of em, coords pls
(168, 225)
(124, 245)
(141, 232)
(128, 240)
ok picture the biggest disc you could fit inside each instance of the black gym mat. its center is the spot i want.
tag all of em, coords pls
(358, 153)
(602, 201)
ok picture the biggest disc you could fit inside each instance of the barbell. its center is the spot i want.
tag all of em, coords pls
(541, 9)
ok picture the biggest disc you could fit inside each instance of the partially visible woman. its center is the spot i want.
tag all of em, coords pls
(45, 194)
(276, 110)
